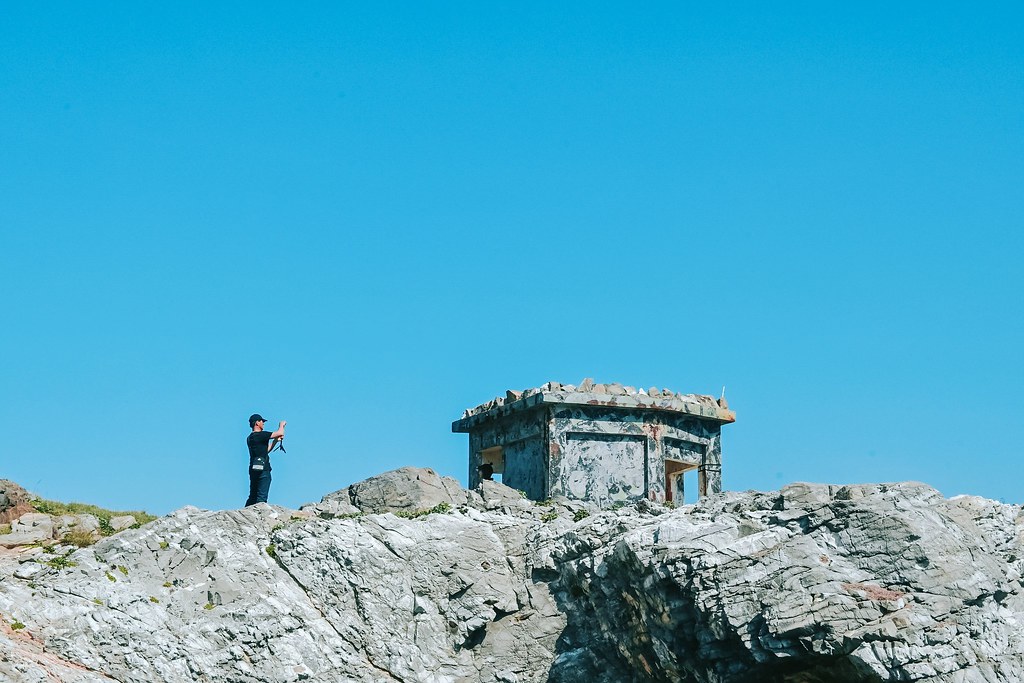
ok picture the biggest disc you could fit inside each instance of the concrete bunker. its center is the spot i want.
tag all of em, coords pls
(598, 442)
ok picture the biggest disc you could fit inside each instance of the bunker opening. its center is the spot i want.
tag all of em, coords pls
(683, 482)
(492, 463)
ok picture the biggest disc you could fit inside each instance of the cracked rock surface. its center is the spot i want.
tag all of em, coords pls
(809, 584)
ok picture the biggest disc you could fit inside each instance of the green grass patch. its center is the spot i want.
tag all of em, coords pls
(439, 509)
(153, 600)
(52, 507)
(17, 626)
(78, 537)
(208, 605)
(580, 515)
(549, 516)
(272, 550)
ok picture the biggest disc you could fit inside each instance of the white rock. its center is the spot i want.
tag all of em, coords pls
(904, 583)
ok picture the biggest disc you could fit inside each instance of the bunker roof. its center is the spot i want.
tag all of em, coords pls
(587, 393)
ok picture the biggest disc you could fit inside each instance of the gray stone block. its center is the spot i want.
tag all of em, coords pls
(121, 522)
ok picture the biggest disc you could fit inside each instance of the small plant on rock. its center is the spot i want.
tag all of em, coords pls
(580, 515)
(153, 600)
(17, 626)
(123, 569)
(111, 577)
(208, 605)
(439, 509)
(97, 601)
(549, 516)
(272, 551)
(61, 562)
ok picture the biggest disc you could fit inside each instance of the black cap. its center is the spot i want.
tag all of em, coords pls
(254, 418)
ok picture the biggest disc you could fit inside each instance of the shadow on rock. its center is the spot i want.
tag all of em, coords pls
(631, 622)
(809, 669)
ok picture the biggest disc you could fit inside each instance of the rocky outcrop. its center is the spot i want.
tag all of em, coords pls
(408, 489)
(810, 583)
(27, 521)
(14, 501)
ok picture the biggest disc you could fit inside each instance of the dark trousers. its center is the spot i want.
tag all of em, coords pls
(259, 487)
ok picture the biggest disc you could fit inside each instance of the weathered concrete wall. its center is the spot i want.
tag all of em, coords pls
(521, 437)
(524, 467)
(603, 468)
(598, 455)
(606, 455)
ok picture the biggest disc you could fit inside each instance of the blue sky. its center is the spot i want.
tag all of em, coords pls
(365, 218)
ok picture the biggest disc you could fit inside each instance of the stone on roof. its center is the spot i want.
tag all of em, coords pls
(588, 392)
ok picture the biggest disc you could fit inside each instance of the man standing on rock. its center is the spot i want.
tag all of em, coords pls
(260, 444)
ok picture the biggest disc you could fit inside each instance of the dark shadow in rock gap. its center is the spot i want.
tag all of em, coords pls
(809, 669)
